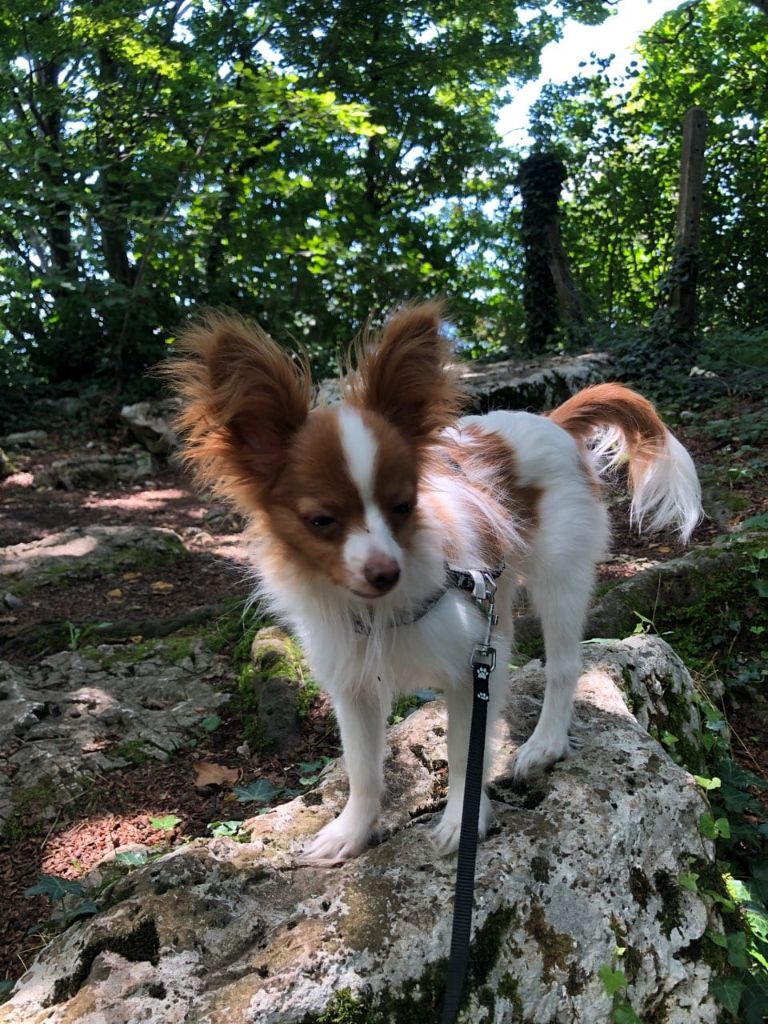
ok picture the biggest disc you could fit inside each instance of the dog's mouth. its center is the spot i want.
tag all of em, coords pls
(369, 595)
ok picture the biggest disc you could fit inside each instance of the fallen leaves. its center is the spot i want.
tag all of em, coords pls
(208, 773)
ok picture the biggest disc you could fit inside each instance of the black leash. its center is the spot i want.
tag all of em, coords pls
(480, 584)
(483, 663)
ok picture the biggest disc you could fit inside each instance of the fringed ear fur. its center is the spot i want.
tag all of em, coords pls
(243, 397)
(408, 375)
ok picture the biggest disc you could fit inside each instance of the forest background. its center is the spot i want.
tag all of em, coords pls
(312, 163)
(307, 163)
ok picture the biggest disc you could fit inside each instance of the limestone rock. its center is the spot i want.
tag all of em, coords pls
(678, 583)
(26, 439)
(535, 386)
(150, 424)
(667, 593)
(69, 407)
(586, 859)
(79, 549)
(511, 384)
(74, 716)
(88, 471)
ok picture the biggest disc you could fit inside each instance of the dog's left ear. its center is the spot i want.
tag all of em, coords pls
(408, 376)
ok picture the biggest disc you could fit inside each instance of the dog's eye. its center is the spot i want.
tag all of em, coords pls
(321, 522)
(403, 509)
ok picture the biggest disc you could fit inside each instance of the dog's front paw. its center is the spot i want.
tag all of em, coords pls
(446, 834)
(338, 841)
(538, 753)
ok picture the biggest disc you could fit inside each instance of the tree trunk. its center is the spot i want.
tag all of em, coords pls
(685, 270)
(550, 296)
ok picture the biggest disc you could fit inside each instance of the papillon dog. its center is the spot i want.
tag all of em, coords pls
(357, 510)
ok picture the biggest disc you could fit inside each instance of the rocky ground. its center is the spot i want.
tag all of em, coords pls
(126, 678)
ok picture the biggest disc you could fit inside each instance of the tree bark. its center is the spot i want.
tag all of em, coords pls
(685, 269)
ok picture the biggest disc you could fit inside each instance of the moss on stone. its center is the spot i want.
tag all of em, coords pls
(345, 1009)
(487, 945)
(721, 593)
(134, 751)
(370, 911)
(27, 802)
(509, 989)
(420, 999)
(639, 886)
(555, 947)
(540, 869)
(670, 914)
(171, 649)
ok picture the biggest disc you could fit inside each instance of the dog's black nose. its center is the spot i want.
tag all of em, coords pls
(382, 573)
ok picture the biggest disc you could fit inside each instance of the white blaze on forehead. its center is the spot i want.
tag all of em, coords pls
(360, 449)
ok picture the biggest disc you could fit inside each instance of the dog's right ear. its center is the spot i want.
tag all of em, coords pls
(243, 397)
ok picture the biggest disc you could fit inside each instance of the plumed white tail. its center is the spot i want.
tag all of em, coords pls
(668, 493)
(665, 488)
(617, 425)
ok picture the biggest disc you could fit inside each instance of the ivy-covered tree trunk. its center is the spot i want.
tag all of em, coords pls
(686, 262)
(550, 297)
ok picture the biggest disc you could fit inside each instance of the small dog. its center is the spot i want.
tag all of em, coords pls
(358, 509)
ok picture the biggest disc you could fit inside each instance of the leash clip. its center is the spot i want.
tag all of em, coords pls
(484, 585)
(483, 659)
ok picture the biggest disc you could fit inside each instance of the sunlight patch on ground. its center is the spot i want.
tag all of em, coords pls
(19, 480)
(144, 501)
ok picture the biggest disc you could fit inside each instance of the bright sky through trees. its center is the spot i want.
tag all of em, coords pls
(560, 60)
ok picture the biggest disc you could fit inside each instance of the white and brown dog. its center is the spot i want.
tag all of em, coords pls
(357, 510)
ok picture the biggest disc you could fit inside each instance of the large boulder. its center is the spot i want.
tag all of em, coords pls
(151, 424)
(26, 439)
(88, 471)
(511, 384)
(584, 860)
(536, 386)
(684, 598)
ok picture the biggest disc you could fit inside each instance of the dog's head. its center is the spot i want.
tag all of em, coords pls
(337, 486)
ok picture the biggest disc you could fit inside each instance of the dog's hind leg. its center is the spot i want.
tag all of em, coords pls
(560, 583)
(458, 699)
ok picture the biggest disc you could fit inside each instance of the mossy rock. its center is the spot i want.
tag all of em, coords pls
(270, 690)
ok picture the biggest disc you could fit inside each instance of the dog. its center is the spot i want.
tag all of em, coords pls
(357, 510)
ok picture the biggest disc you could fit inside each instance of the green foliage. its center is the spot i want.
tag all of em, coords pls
(305, 162)
(228, 830)
(623, 138)
(612, 980)
(166, 823)
(739, 883)
(260, 791)
(131, 858)
(134, 751)
(70, 896)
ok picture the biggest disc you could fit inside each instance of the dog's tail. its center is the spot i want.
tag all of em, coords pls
(618, 425)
